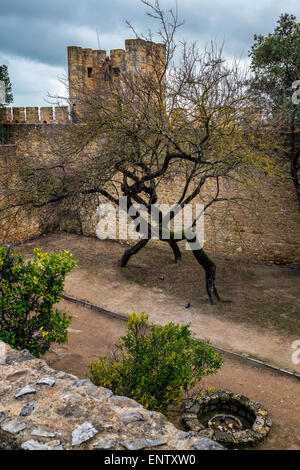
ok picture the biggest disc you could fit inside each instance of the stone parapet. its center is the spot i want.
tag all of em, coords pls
(45, 409)
(35, 115)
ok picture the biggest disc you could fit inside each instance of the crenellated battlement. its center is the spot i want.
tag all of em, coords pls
(35, 115)
(138, 54)
(86, 66)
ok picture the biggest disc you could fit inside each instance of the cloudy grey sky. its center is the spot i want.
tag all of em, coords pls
(34, 34)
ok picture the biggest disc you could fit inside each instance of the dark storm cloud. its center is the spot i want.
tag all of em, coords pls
(233, 21)
(41, 30)
(36, 33)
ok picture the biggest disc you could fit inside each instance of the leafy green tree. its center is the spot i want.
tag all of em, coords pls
(156, 364)
(276, 67)
(28, 292)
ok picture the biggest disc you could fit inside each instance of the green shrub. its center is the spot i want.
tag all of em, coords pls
(156, 364)
(28, 292)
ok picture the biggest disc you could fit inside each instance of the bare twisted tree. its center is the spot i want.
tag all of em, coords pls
(185, 120)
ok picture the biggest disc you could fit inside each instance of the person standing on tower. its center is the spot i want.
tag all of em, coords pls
(107, 69)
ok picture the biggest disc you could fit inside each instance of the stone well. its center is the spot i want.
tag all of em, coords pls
(255, 418)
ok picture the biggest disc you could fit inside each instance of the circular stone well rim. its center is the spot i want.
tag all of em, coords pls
(228, 401)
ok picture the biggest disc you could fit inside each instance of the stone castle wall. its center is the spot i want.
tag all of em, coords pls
(267, 233)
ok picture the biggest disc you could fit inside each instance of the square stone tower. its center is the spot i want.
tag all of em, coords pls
(87, 68)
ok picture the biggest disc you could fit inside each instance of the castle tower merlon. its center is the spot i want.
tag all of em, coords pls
(46, 114)
(74, 59)
(61, 114)
(141, 54)
(5, 115)
(75, 53)
(32, 115)
(19, 115)
(74, 63)
(87, 57)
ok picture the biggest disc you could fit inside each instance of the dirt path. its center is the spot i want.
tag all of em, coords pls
(90, 335)
(163, 308)
(267, 335)
(93, 334)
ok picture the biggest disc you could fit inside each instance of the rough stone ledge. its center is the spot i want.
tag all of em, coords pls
(45, 409)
